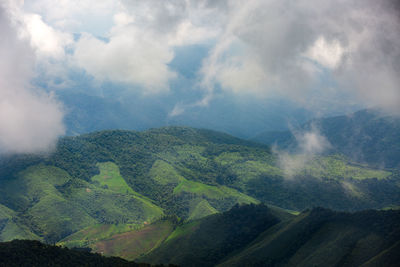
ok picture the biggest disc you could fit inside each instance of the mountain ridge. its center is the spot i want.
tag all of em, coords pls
(370, 136)
(133, 184)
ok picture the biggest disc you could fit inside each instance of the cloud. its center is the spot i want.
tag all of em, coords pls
(289, 45)
(327, 54)
(30, 120)
(309, 144)
(140, 44)
(131, 56)
(178, 109)
(76, 16)
(46, 41)
(260, 48)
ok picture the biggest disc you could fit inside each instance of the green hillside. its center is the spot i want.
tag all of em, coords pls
(53, 205)
(322, 237)
(124, 181)
(206, 242)
(259, 236)
(122, 240)
(10, 229)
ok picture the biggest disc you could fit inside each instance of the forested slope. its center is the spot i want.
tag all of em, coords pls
(108, 189)
(260, 236)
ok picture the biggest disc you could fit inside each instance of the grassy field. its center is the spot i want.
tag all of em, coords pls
(92, 234)
(164, 173)
(111, 179)
(183, 230)
(123, 240)
(50, 212)
(247, 168)
(330, 167)
(335, 167)
(212, 192)
(131, 245)
(49, 203)
(201, 209)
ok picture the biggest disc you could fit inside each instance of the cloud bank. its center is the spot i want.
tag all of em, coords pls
(30, 120)
(317, 53)
(303, 50)
(288, 47)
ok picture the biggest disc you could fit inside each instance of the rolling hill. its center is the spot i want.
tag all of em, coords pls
(124, 193)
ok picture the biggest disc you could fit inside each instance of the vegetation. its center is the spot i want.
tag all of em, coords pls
(108, 190)
(368, 136)
(34, 253)
(259, 236)
(52, 205)
(336, 167)
(206, 242)
(321, 237)
(201, 209)
(122, 240)
(92, 234)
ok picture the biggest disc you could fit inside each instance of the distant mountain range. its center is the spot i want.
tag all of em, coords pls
(367, 136)
(87, 113)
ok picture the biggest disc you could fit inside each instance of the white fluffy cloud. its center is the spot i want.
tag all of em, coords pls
(129, 57)
(46, 41)
(309, 144)
(30, 120)
(138, 43)
(261, 47)
(75, 16)
(284, 46)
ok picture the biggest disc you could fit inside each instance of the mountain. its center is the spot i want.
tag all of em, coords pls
(368, 136)
(258, 236)
(206, 241)
(87, 113)
(123, 193)
(246, 235)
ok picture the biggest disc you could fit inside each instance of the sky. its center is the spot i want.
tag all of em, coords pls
(318, 54)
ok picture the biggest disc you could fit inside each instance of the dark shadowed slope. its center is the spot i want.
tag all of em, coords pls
(206, 241)
(34, 253)
(255, 236)
(322, 237)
